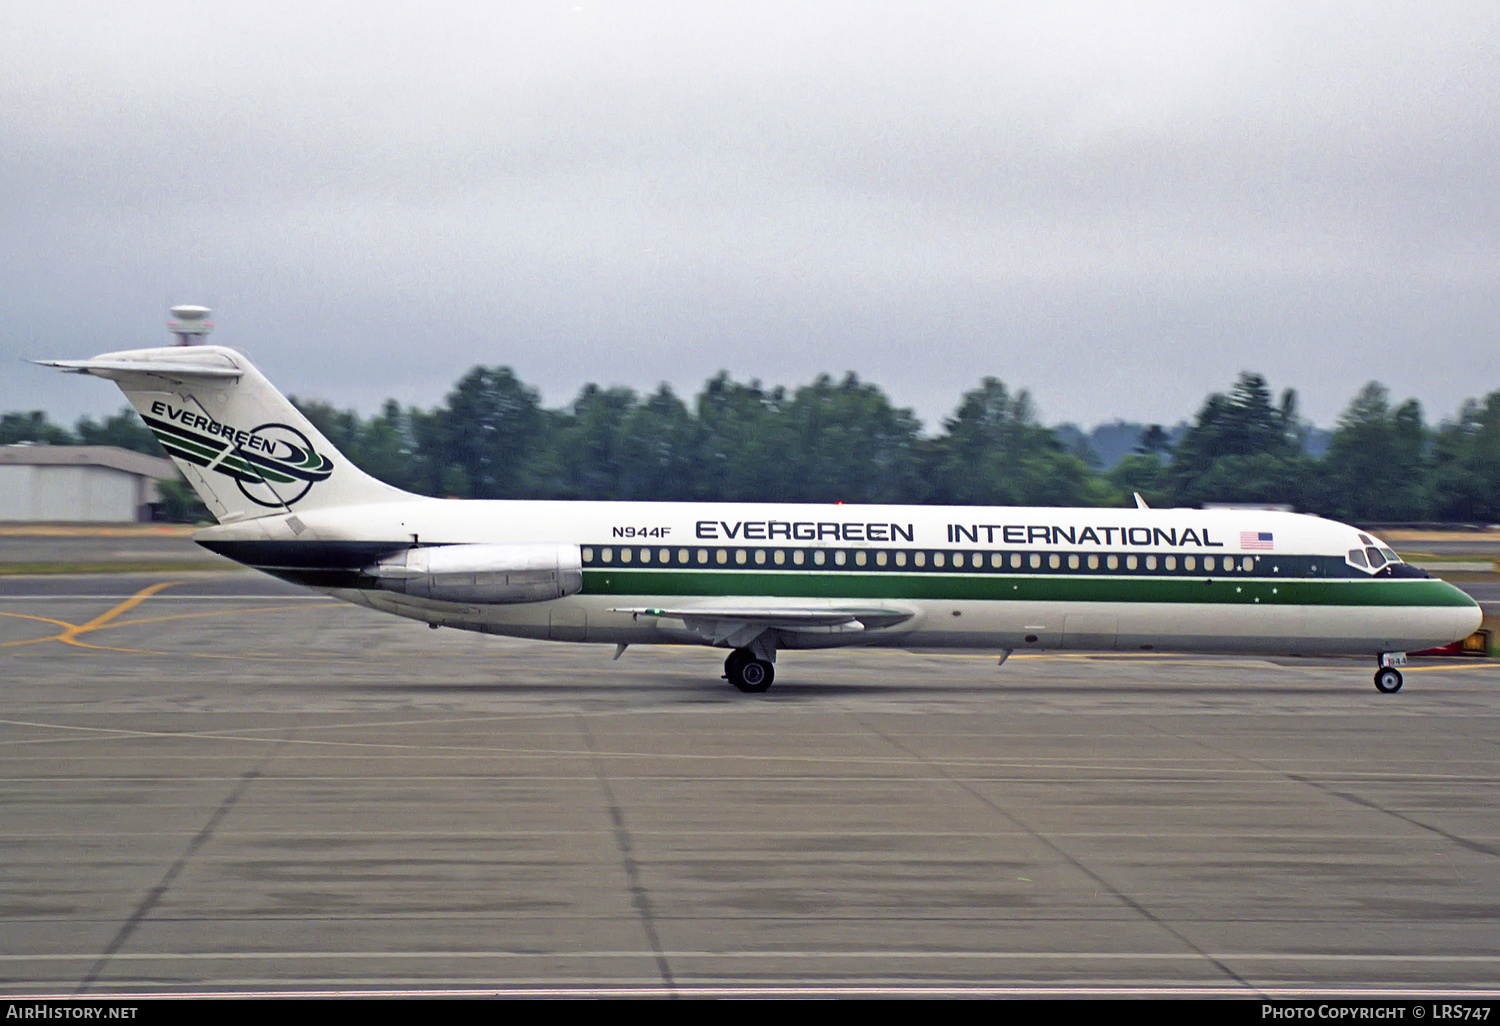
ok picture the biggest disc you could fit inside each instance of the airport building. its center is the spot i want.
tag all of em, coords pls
(79, 483)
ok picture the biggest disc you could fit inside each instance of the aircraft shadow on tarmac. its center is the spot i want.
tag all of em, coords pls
(668, 687)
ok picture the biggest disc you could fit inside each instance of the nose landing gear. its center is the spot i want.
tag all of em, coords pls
(1387, 677)
(748, 673)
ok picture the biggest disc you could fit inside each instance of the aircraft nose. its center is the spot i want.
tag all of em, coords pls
(1465, 614)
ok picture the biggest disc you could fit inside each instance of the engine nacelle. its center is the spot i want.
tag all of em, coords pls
(485, 574)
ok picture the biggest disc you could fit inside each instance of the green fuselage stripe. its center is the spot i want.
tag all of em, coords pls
(196, 449)
(1026, 588)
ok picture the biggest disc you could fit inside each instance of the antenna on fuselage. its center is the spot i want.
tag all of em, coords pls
(191, 325)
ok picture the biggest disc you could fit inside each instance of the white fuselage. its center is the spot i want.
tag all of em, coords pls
(972, 577)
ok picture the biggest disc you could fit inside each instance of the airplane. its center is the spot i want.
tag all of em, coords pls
(759, 578)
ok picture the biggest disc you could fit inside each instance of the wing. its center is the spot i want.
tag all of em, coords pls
(739, 625)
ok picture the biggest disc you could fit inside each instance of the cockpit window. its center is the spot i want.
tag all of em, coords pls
(1376, 559)
(1357, 557)
(1390, 555)
(1366, 539)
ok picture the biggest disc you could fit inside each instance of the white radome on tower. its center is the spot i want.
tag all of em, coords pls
(191, 324)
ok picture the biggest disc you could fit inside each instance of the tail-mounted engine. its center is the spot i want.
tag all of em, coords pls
(486, 574)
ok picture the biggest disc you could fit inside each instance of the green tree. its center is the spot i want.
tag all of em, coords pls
(747, 444)
(849, 444)
(1146, 474)
(659, 450)
(585, 459)
(341, 427)
(1243, 448)
(994, 452)
(124, 430)
(1375, 465)
(32, 427)
(1154, 441)
(180, 504)
(387, 449)
(382, 446)
(1465, 479)
(488, 428)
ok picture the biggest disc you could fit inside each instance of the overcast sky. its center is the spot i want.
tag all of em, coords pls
(1116, 206)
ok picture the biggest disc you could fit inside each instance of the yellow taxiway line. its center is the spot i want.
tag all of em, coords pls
(71, 631)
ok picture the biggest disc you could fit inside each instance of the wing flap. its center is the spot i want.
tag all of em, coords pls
(733, 623)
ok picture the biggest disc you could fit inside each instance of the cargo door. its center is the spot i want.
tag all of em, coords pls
(567, 622)
(1091, 629)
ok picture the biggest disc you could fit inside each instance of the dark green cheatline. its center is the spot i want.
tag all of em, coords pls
(992, 587)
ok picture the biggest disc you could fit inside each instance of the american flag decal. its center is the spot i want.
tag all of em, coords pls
(1255, 540)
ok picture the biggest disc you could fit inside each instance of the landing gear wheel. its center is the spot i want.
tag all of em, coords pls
(748, 673)
(1387, 680)
(755, 676)
(732, 664)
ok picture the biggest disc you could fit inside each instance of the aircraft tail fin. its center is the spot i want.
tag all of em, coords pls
(244, 448)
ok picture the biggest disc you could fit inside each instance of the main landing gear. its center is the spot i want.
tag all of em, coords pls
(748, 673)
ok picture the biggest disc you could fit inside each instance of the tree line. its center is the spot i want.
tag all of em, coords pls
(843, 441)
